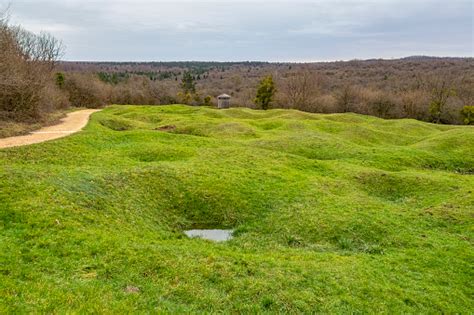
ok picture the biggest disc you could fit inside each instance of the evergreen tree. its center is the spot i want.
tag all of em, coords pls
(207, 100)
(187, 83)
(60, 79)
(265, 93)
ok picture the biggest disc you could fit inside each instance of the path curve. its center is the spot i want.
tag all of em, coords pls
(73, 122)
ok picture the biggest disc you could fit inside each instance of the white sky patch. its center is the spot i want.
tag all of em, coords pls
(50, 27)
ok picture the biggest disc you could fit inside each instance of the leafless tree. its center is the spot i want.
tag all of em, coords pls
(347, 99)
(26, 64)
(42, 47)
(301, 88)
(441, 89)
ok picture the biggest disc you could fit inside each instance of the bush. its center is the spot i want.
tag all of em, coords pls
(85, 90)
(326, 103)
(207, 100)
(381, 105)
(135, 91)
(347, 99)
(467, 114)
(414, 104)
(27, 60)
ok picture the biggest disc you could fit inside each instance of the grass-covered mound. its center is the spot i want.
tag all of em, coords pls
(333, 213)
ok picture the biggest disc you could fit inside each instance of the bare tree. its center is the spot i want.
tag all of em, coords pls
(301, 88)
(414, 103)
(346, 99)
(441, 90)
(26, 62)
(43, 47)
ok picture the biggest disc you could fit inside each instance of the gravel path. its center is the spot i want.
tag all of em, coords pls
(72, 123)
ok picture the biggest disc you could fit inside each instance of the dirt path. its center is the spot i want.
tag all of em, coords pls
(72, 123)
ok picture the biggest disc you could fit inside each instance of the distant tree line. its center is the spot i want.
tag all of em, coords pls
(432, 89)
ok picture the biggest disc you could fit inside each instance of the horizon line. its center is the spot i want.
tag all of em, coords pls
(273, 61)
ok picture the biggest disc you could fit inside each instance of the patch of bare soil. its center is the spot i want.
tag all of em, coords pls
(166, 128)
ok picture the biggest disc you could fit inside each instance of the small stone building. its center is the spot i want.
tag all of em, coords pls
(223, 101)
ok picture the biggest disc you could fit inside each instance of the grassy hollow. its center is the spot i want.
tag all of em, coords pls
(332, 213)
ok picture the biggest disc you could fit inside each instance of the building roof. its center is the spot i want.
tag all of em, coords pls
(223, 96)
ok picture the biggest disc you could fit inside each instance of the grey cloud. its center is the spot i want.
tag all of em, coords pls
(251, 30)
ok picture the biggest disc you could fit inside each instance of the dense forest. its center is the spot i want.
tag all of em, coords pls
(424, 88)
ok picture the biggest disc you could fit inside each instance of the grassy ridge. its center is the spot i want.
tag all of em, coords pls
(334, 213)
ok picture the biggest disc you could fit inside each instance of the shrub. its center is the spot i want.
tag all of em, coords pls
(347, 99)
(27, 90)
(381, 105)
(135, 90)
(326, 103)
(85, 90)
(467, 114)
(197, 100)
(60, 79)
(184, 98)
(414, 104)
(207, 101)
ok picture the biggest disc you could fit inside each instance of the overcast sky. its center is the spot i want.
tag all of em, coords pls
(224, 30)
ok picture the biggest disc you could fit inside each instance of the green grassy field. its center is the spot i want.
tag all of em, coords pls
(332, 213)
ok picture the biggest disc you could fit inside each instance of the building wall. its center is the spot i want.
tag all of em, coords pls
(223, 103)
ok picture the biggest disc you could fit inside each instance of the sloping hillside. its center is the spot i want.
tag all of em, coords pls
(332, 213)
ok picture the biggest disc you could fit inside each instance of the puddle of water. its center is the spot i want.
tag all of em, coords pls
(213, 235)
